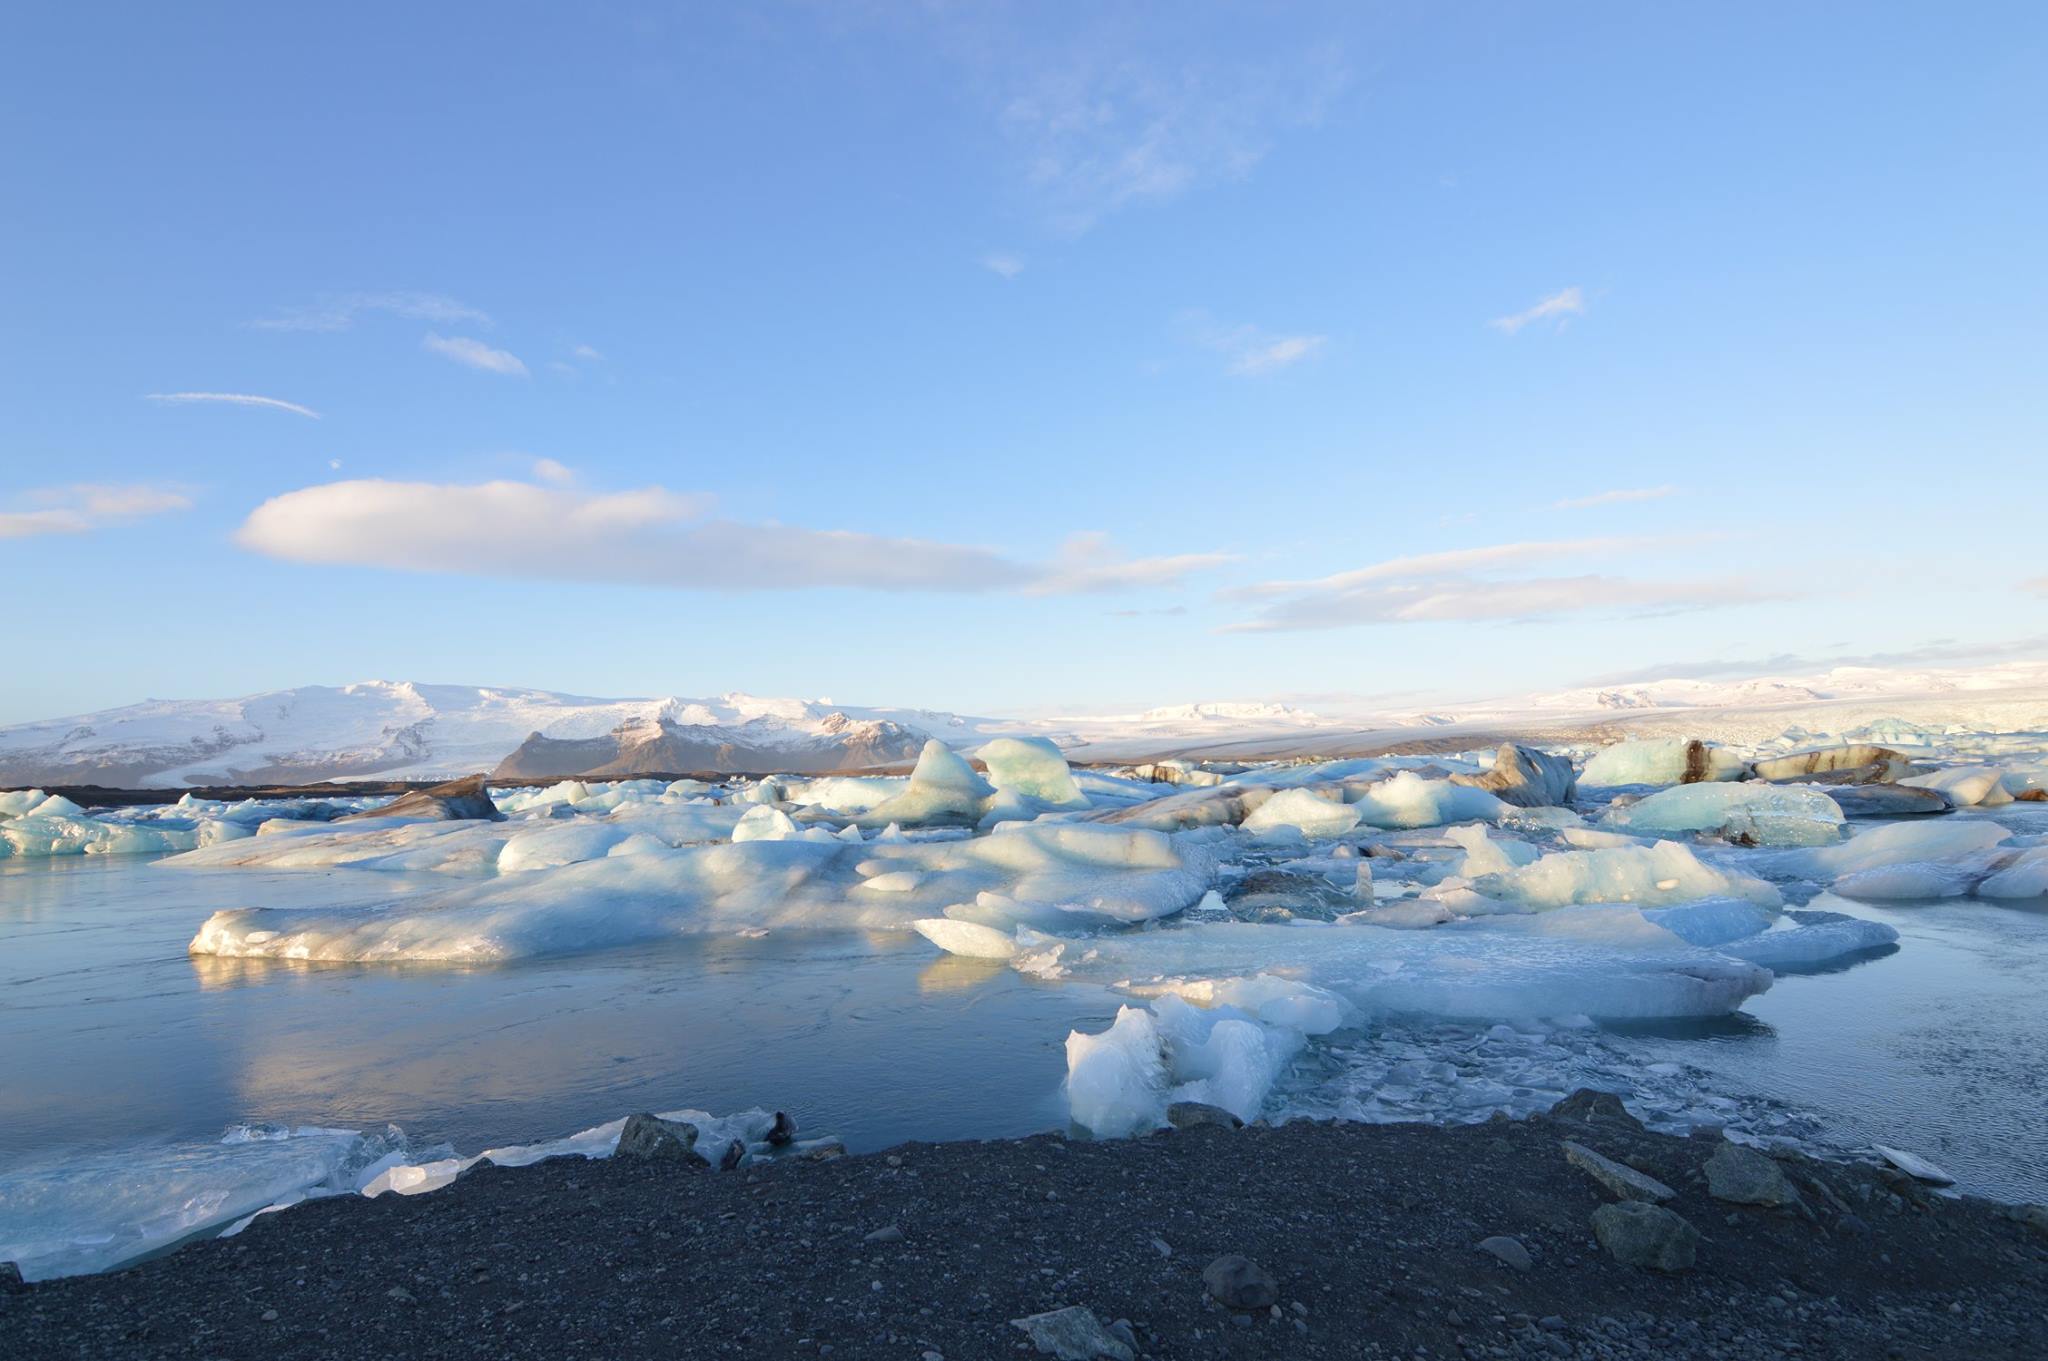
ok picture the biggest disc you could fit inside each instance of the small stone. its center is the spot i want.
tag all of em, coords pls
(270, 1315)
(893, 1160)
(1162, 1247)
(1551, 1323)
(1199, 1115)
(1743, 1176)
(1237, 1282)
(1624, 1182)
(647, 1136)
(1590, 1107)
(1637, 1233)
(888, 1233)
(1072, 1334)
(399, 1293)
(1509, 1250)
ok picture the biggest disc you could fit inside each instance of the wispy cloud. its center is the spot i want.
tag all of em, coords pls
(1009, 266)
(1101, 128)
(2039, 585)
(1248, 351)
(1466, 584)
(86, 506)
(1559, 307)
(1088, 563)
(339, 311)
(589, 354)
(1619, 496)
(233, 399)
(548, 470)
(650, 536)
(475, 354)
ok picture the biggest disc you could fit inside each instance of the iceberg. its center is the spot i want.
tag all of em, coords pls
(1406, 799)
(1659, 761)
(1304, 811)
(1657, 875)
(1088, 875)
(1965, 786)
(1034, 768)
(1750, 814)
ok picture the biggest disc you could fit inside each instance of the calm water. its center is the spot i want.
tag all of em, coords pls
(111, 1037)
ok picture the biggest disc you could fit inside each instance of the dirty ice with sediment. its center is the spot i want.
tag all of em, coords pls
(1434, 933)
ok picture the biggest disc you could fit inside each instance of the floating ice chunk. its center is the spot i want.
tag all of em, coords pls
(1754, 814)
(1304, 811)
(1659, 761)
(2025, 877)
(1091, 875)
(1407, 800)
(1966, 786)
(1902, 843)
(762, 823)
(847, 793)
(1117, 1081)
(1525, 777)
(1034, 768)
(966, 938)
(943, 790)
(1210, 807)
(1820, 939)
(1483, 855)
(47, 831)
(1654, 876)
(550, 844)
(1466, 971)
(1917, 880)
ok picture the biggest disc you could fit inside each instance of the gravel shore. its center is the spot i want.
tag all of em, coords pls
(1369, 1234)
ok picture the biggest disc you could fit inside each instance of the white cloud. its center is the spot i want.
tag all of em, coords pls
(548, 470)
(1087, 564)
(1249, 351)
(233, 399)
(338, 312)
(589, 354)
(1619, 496)
(1464, 584)
(86, 506)
(1560, 306)
(2039, 585)
(1009, 266)
(652, 537)
(475, 354)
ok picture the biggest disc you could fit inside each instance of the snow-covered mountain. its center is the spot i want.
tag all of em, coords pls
(403, 730)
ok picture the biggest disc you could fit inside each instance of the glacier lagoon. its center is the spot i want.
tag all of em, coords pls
(155, 1082)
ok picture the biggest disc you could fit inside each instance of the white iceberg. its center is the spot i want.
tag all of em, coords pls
(1753, 814)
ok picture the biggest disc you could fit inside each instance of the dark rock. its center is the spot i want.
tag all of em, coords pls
(1589, 1107)
(646, 1136)
(1625, 1182)
(888, 1233)
(1509, 1251)
(455, 800)
(1743, 1176)
(11, 1282)
(1636, 1233)
(1239, 1283)
(1073, 1334)
(1196, 1114)
(783, 1131)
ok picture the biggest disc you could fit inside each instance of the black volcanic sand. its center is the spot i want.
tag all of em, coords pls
(1369, 1231)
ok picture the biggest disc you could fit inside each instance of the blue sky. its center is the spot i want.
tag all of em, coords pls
(1015, 358)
